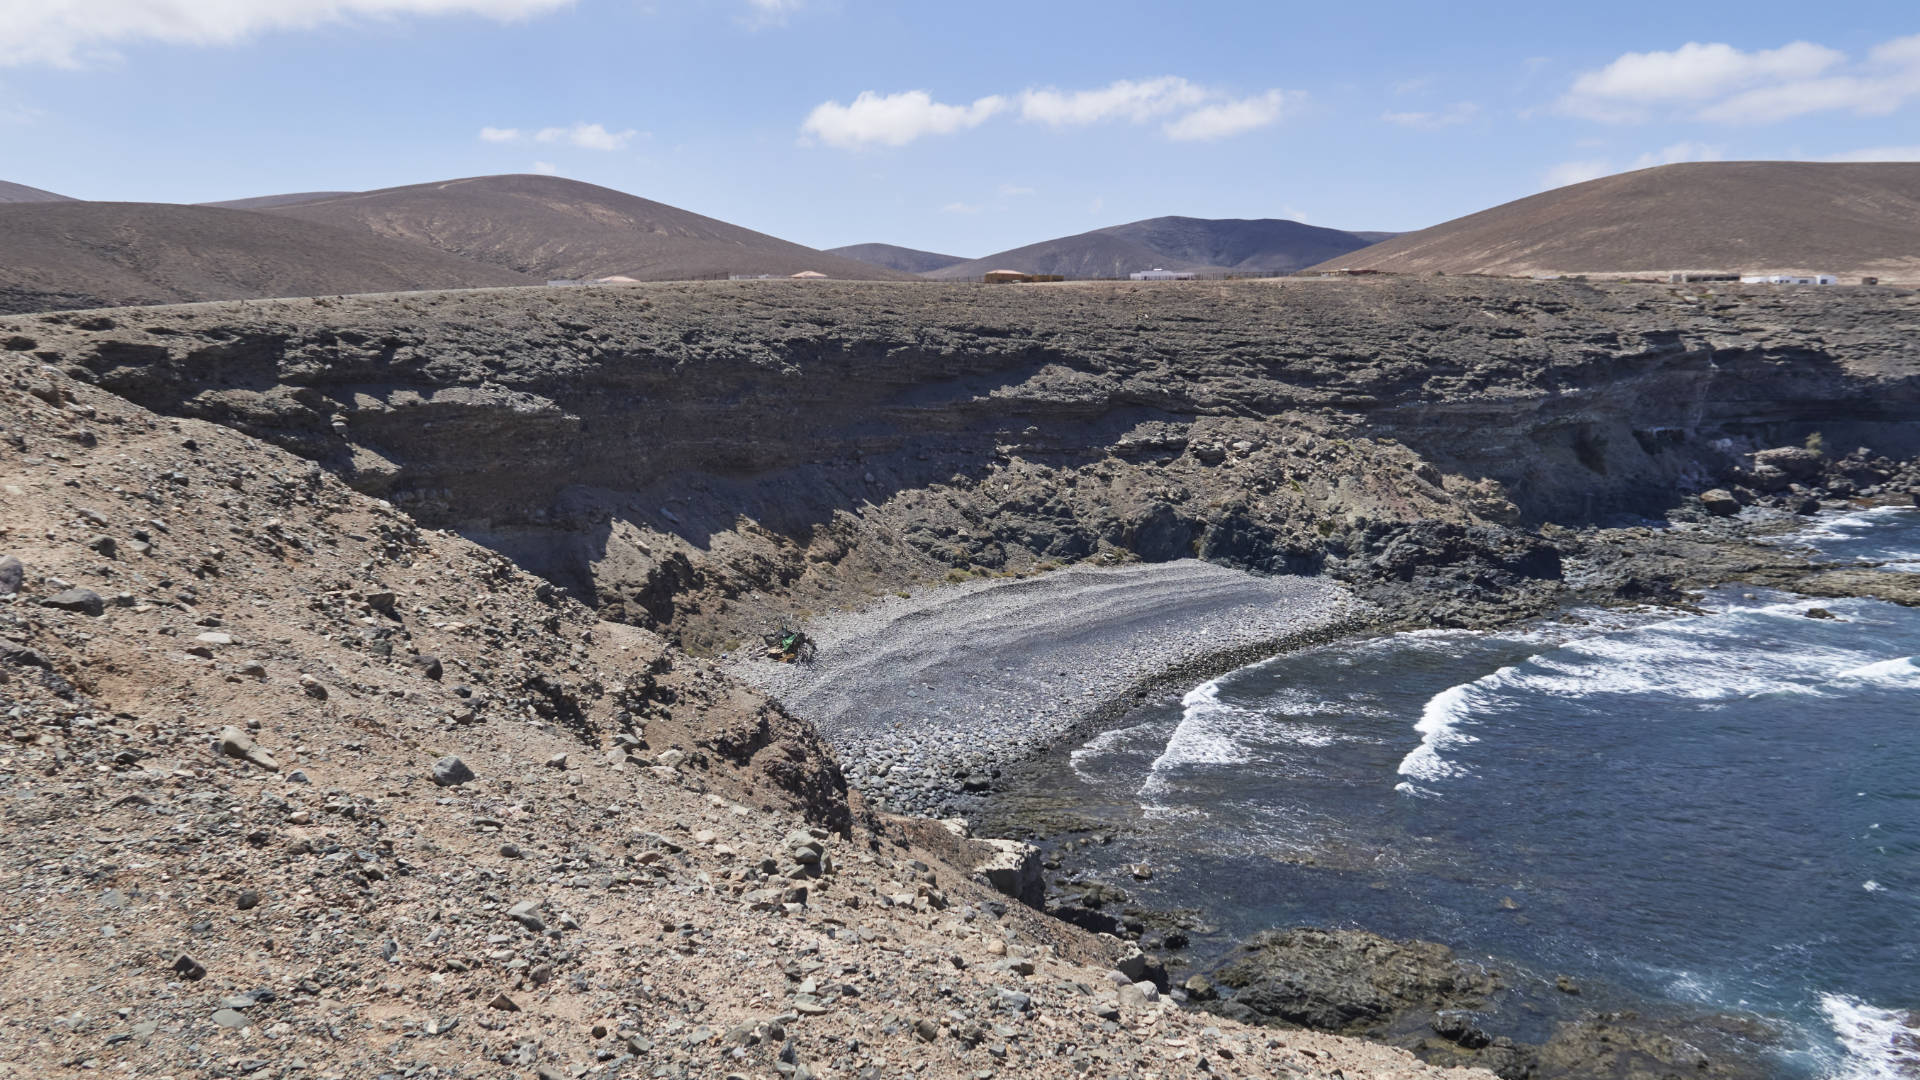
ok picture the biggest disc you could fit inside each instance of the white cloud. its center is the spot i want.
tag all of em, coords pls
(70, 33)
(1575, 172)
(1196, 112)
(1678, 152)
(586, 137)
(1720, 84)
(1122, 100)
(1230, 117)
(546, 168)
(894, 119)
(1878, 153)
(1451, 116)
(961, 208)
(764, 13)
(1010, 191)
(583, 135)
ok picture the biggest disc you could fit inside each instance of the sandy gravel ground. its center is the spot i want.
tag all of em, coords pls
(926, 695)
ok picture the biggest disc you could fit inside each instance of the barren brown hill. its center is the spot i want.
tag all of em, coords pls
(95, 254)
(21, 193)
(1754, 216)
(1174, 243)
(268, 202)
(555, 228)
(894, 257)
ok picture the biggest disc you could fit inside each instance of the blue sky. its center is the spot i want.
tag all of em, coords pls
(964, 128)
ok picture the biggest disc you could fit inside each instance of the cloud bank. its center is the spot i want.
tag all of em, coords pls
(1188, 111)
(70, 33)
(1719, 84)
(583, 136)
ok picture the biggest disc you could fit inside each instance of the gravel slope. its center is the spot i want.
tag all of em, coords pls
(924, 695)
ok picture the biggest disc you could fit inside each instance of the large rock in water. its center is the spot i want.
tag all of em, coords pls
(1349, 981)
(1720, 501)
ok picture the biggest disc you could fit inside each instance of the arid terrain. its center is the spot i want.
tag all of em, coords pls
(550, 227)
(1756, 217)
(73, 254)
(280, 563)
(1267, 245)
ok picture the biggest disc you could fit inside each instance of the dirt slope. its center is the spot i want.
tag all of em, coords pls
(234, 840)
(1174, 243)
(894, 257)
(92, 254)
(554, 228)
(267, 202)
(21, 193)
(1753, 216)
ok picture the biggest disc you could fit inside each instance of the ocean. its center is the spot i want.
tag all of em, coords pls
(1717, 810)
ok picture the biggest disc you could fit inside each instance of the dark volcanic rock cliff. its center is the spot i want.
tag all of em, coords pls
(701, 457)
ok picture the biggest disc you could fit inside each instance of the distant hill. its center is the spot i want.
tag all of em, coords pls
(554, 228)
(21, 193)
(268, 202)
(894, 257)
(1174, 243)
(1847, 219)
(100, 254)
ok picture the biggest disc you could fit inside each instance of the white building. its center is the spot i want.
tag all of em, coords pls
(1157, 274)
(1790, 279)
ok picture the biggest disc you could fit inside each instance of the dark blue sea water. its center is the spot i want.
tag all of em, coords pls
(1718, 809)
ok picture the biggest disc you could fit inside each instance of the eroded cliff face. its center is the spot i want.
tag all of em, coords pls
(703, 458)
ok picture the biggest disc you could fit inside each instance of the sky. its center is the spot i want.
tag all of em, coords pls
(960, 128)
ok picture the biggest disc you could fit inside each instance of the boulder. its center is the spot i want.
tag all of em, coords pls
(237, 743)
(1014, 870)
(450, 771)
(1795, 462)
(1720, 502)
(85, 600)
(12, 573)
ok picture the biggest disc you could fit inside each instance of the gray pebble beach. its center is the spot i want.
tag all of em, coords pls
(929, 696)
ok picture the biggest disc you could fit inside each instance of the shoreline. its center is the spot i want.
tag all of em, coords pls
(898, 688)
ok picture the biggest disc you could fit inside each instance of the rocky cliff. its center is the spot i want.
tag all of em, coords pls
(703, 457)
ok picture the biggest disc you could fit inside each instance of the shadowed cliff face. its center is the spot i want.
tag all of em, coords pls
(702, 457)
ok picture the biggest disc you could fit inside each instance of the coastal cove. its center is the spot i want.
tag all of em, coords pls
(1687, 815)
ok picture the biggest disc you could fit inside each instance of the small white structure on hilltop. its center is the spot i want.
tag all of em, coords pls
(1790, 279)
(1157, 274)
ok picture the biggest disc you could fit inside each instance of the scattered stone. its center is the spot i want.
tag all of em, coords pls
(450, 771)
(504, 1003)
(189, 969)
(557, 761)
(231, 1018)
(237, 743)
(12, 573)
(247, 900)
(313, 687)
(1720, 502)
(82, 600)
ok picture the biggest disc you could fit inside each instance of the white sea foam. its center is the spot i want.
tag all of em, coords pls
(1901, 673)
(1872, 886)
(1195, 740)
(1693, 658)
(1104, 743)
(1439, 729)
(1881, 1044)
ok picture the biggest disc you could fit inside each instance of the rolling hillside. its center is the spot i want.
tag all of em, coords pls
(553, 228)
(21, 193)
(894, 257)
(97, 254)
(268, 202)
(1175, 243)
(1753, 216)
